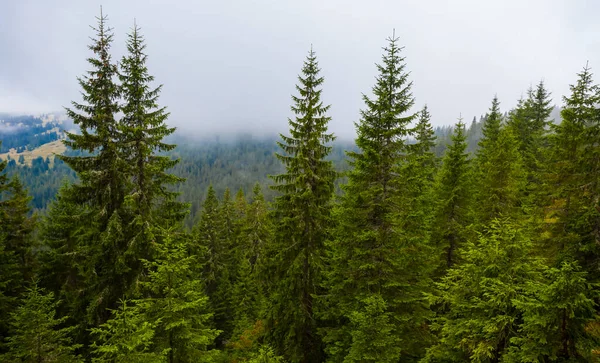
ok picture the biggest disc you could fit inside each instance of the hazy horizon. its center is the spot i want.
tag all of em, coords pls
(230, 67)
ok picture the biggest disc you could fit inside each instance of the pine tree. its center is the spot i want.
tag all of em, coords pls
(102, 181)
(143, 128)
(479, 294)
(37, 335)
(452, 201)
(376, 275)
(177, 306)
(302, 214)
(126, 337)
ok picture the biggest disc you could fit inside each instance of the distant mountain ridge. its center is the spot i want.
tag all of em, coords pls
(27, 132)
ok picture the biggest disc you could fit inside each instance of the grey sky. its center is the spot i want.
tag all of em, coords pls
(232, 65)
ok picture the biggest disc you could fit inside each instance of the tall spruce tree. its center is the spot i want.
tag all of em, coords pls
(102, 181)
(375, 310)
(573, 214)
(452, 201)
(143, 128)
(302, 216)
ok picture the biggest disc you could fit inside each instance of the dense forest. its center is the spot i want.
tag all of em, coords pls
(387, 252)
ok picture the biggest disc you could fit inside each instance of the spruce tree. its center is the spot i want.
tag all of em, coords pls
(416, 180)
(452, 201)
(210, 246)
(126, 337)
(559, 313)
(36, 334)
(102, 182)
(481, 317)
(376, 273)
(176, 304)
(490, 131)
(143, 128)
(17, 228)
(249, 290)
(529, 123)
(302, 214)
(571, 180)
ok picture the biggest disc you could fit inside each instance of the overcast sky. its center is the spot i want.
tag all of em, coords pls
(232, 65)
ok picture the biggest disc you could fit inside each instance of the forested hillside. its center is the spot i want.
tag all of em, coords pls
(392, 248)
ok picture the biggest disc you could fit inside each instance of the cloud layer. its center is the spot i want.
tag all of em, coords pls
(230, 66)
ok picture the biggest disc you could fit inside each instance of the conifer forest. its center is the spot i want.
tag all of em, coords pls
(408, 247)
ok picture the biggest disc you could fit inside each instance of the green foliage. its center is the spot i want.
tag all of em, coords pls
(376, 259)
(481, 316)
(572, 178)
(301, 214)
(213, 248)
(529, 123)
(176, 304)
(36, 334)
(143, 129)
(558, 321)
(452, 201)
(102, 182)
(266, 355)
(500, 175)
(126, 337)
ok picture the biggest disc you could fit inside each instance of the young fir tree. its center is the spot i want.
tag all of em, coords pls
(126, 337)
(302, 215)
(102, 181)
(143, 128)
(559, 314)
(481, 316)
(375, 309)
(176, 304)
(213, 252)
(36, 334)
(452, 201)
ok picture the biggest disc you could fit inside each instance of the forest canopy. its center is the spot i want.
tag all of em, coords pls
(475, 244)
